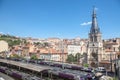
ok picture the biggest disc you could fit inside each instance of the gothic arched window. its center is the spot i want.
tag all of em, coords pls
(95, 39)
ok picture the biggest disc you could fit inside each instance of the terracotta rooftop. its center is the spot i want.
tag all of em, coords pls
(118, 53)
(108, 50)
(105, 62)
(111, 43)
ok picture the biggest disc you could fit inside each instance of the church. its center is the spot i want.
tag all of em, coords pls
(95, 45)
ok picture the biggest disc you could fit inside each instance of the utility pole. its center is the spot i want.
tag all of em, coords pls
(118, 68)
(111, 61)
(62, 49)
(78, 58)
(115, 66)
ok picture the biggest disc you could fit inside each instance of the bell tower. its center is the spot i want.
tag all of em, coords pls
(95, 46)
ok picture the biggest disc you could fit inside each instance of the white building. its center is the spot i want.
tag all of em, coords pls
(54, 57)
(3, 46)
(83, 45)
(74, 49)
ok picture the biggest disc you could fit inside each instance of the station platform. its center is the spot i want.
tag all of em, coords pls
(5, 77)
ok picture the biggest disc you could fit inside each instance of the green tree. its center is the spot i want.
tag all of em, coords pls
(70, 58)
(86, 65)
(38, 44)
(11, 40)
(45, 44)
(85, 57)
(15, 56)
(77, 57)
(34, 57)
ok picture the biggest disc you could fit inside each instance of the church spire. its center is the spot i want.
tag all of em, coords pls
(94, 26)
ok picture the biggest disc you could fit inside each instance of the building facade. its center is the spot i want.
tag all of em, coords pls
(3, 46)
(95, 46)
(74, 49)
(57, 57)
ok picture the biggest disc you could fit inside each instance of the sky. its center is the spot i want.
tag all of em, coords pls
(58, 18)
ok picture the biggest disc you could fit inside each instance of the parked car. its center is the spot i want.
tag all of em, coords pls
(100, 69)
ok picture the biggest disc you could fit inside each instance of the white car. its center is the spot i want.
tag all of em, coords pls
(100, 69)
(106, 78)
(2, 78)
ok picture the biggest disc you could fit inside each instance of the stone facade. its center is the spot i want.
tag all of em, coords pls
(95, 46)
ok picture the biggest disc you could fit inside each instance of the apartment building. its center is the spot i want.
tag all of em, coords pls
(3, 46)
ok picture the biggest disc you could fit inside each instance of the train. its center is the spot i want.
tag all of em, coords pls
(24, 76)
(18, 75)
(72, 74)
(60, 65)
(88, 76)
(54, 64)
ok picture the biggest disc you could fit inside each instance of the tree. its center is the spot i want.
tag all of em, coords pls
(86, 65)
(85, 57)
(77, 57)
(14, 56)
(34, 57)
(70, 58)
(37, 43)
(11, 40)
(46, 44)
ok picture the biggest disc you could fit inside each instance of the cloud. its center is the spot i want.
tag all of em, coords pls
(86, 23)
(1, 33)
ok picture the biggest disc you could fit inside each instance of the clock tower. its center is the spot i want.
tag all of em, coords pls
(95, 46)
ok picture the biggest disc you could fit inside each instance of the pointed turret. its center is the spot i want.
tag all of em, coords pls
(94, 26)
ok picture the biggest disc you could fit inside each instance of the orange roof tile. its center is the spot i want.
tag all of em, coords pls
(108, 50)
(118, 53)
(105, 62)
(111, 43)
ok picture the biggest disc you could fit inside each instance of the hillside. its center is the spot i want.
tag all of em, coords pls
(12, 40)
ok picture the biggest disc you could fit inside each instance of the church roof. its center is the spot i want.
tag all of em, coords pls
(94, 26)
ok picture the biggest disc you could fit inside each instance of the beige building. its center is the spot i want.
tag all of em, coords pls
(59, 57)
(53, 40)
(52, 54)
(109, 55)
(3, 46)
(74, 49)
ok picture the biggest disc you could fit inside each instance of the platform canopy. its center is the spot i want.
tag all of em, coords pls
(33, 67)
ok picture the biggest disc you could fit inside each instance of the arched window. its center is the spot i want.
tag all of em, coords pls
(95, 39)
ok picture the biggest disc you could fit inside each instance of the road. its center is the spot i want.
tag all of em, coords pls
(5, 77)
